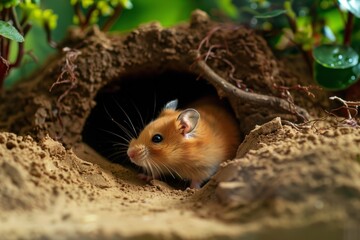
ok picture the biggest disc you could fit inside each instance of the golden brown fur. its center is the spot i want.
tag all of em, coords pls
(194, 156)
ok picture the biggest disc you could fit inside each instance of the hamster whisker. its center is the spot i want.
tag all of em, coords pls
(191, 171)
(138, 112)
(154, 109)
(170, 172)
(116, 135)
(177, 173)
(120, 144)
(147, 168)
(131, 125)
(151, 169)
(120, 152)
(157, 168)
(122, 127)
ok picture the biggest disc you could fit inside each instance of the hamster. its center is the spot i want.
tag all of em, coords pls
(189, 143)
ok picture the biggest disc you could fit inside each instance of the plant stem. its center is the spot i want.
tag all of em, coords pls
(6, 48)
(14, 18)
(89, 14)
(339, 10)
(292, 24)
(26, 28)
(3, 40)
(348, 29)
(79, 14)
(4, 69)
(110, 22)
(257, 99)
(52, 43)
(19, 56)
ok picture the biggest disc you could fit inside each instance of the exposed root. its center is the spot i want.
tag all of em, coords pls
(202, 68)
(348, 105)
(67, 74)
(331, 118)
(285, 91)
(205, 43)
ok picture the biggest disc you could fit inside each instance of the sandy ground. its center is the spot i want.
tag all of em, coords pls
(287, 182)
(284, 183)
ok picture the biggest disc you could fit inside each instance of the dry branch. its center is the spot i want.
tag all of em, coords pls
(256, 99)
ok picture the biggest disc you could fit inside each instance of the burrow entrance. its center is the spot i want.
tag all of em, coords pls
(139, 99)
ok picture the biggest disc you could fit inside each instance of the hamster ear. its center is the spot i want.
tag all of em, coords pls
(189, 119)
(172, 105)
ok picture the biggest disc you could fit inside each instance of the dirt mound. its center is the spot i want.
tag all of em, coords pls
(287, 181)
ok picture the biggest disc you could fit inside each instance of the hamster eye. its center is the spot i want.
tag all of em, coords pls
(157, 138)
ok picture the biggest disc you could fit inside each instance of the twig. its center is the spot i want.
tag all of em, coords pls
(298, 87)
(348, 29)
(257, 99)
(79, 14)
(112, 19)
(89, 14)
(348, 105)
(49, 39)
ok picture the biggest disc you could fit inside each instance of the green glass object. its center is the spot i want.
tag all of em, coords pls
(336, 67)
(336, 56)
(335, 79)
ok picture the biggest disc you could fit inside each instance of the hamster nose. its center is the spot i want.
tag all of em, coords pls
(131, 153)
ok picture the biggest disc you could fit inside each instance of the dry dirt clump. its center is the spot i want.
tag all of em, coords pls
(285, 183)
(58, 99)
(287, 177)
(36, 176)
(47, 192)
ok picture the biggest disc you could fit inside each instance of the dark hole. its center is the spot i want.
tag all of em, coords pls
(143, 96)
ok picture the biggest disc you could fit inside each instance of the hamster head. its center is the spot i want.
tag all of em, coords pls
(159, 147)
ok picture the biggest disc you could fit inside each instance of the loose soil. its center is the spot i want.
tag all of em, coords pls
(287, 181)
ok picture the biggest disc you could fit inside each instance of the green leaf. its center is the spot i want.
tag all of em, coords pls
(336, 56)
(8, 3)
(289, 10)
(352, 6)
(127, 4)
(87, 3)
(9, 31)
(73, 2)
(37, 2)
(271, 14)
(228, 7)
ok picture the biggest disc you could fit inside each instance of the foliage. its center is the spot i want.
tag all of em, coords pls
(88, 12)
(321, 30)
(14, 27)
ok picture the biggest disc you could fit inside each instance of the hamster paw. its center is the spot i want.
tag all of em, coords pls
(145, 177)
(195, 184)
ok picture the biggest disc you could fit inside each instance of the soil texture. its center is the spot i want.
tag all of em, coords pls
(296, 174)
